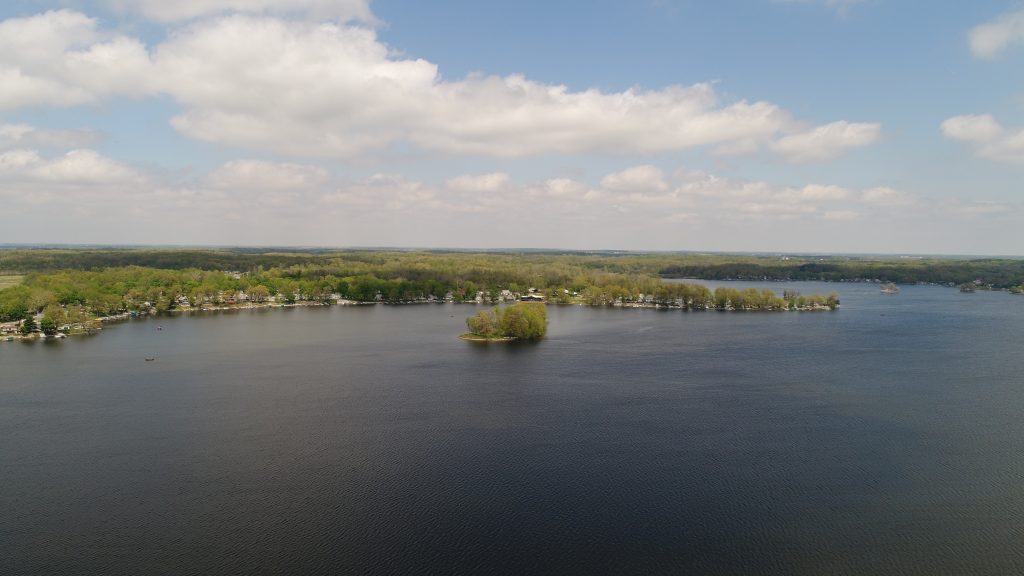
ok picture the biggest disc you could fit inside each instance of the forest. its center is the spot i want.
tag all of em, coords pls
(999, 273)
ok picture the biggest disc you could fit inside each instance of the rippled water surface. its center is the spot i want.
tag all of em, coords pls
(884, 438)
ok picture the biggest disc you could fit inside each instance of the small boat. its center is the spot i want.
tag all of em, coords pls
(889, 288)
(159, 327)
(150, 359)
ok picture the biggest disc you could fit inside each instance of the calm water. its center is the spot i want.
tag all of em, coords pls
(885, 438)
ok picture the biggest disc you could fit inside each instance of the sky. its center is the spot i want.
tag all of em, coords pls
(841, 126)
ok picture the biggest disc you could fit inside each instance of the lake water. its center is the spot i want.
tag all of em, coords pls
(884, 438)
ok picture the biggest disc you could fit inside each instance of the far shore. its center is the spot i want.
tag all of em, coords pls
(94, 325)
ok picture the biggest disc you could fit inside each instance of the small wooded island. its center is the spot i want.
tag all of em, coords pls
(519, 321)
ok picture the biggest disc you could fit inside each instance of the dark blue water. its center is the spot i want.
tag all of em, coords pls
(884, 438)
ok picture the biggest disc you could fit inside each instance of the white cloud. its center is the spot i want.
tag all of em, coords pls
(482, 183)
(826, 142)
(388, 191)
(177, 10)
(118, 203)
(331, 90)
(990, 39)
(816, 192)
(972, 128)
(567, 188)
(820, 192)
(25, 136)
(742, 147)
(337, 91)
(59, 58)
(988, 138)
(726, 199)
(260, 175)
(77, 167)
(887, 197)
(639, 179)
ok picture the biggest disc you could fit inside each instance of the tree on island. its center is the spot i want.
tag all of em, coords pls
(520, 321)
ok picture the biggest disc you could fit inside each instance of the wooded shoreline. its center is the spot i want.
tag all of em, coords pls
(62, 288)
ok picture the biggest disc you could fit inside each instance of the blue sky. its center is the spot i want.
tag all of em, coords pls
(761, 125)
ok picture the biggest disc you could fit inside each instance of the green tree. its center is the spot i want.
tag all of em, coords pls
(259, 293)
(484, 324)
(523, 320)
(28, 325)
(48, 326)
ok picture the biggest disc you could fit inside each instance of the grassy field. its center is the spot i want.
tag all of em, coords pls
(8, 281)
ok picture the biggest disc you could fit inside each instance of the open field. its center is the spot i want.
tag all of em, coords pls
(6, 281)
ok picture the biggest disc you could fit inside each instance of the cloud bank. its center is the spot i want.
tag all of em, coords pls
(326, 89)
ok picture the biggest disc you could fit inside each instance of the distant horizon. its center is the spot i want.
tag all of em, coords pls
(500, 250)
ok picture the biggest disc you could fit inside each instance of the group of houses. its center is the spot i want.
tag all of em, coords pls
(241, 298)
(10, 328)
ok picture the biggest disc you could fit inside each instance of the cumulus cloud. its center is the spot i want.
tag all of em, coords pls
(164, 11)
(972, 128)
(77, 167)
(332, 90)
(59, 58)
(988, 40)
(338, 91)
(987, 137)
(826, 142)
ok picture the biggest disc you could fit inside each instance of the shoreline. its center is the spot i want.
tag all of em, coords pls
(95, 325)
(486, 340)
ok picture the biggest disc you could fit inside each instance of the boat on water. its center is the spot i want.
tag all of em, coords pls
(150, 359)
(889, 288)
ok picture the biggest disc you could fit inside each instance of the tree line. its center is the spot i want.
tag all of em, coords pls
(70, 284)
(496, 267)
